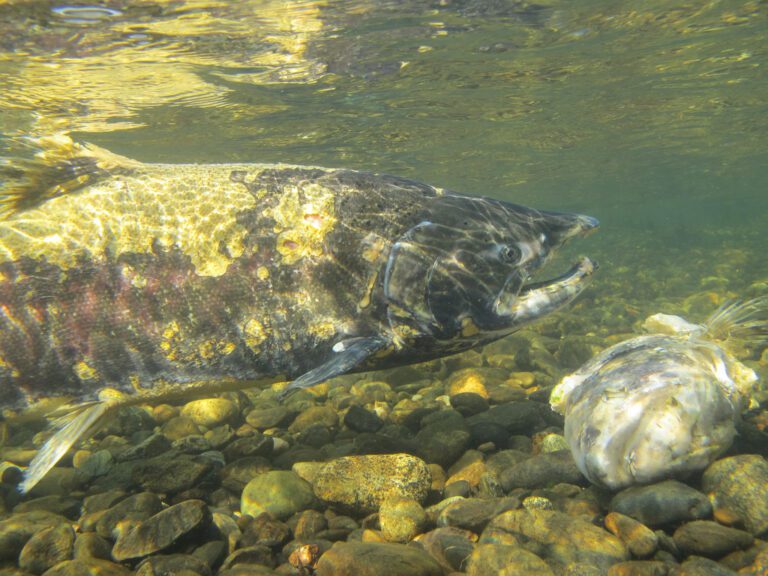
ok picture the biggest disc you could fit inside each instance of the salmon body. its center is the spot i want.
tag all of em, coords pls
(159, 280)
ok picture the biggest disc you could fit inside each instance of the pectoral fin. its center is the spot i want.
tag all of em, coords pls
(348, 354)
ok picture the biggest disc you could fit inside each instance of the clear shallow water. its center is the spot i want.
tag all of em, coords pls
(652, 117)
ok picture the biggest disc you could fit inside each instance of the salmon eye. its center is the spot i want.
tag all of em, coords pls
(510, 254)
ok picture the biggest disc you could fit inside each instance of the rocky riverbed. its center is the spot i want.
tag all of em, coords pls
(454, 467)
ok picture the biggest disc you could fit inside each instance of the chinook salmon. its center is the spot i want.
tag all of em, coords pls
(168, 280)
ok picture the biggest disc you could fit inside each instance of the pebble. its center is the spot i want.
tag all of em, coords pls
(473, 514)
(359, 419)
(137, 508)
(667, 502)
(56, 504)
(739, 489)
(256, 554)
(641, 540)
(401, 519)
(167, 475)
(697, 566)
(173, 565)
(211, 412)
(376, 559)
(281, 493)
(272, 417)
(256, 444)
(324, 415)
(710, 539)
(515, 417)
(359, 484)
(468, 381)
(179, 427)
(640, 568)
(18, 528)
(47, 548)
(557, 538)
(542, 470)
(263, 530)
(90, 545)
(443, 441)
(151, 446)
(88, 568)
(162, 530)
(469, 403)
(451, 547)
(96, 464)
(491, 559)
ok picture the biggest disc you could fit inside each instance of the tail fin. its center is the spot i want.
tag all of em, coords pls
(738, 324)
(60, 166)
(76, 424)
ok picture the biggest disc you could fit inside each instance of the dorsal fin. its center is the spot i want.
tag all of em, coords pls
(60, 166)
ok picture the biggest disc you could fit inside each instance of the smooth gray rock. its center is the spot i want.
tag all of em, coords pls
(710, 539)
(668, 502)
(541, 471)
(161, 530)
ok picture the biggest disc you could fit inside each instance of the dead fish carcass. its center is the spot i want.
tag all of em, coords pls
(160, 281)
(665, 404)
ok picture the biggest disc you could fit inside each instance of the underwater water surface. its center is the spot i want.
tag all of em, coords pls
(652, 118)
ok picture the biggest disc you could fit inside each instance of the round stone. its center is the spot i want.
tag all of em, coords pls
(401, 519)
(210, 412)
(279, 492)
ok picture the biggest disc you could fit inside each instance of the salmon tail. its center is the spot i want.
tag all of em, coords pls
(59, 166)
(76, 423)
(740, 323)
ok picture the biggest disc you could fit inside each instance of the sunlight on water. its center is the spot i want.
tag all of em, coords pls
(652, 117)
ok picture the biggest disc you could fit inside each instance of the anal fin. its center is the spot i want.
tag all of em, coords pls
(74, 425)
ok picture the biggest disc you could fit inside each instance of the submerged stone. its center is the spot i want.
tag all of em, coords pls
(359, 484)
(376, 559)
(279, 492)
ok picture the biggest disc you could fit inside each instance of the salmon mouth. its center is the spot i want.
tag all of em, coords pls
(579, 271)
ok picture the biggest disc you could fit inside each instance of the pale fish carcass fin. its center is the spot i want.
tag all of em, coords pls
(738, 323)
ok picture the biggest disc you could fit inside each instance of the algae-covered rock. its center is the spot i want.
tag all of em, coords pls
(739, 486)
(359, 484)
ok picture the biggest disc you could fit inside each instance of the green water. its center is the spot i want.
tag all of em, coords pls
(651, 116)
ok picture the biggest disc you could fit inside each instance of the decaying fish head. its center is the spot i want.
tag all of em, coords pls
(463, 272)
